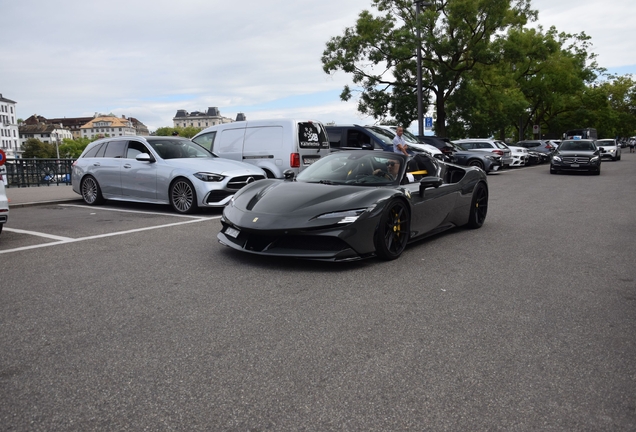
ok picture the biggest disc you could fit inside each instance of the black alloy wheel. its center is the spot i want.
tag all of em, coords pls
(478, 207)
(393, 231)
(183, 198)
(91, 192)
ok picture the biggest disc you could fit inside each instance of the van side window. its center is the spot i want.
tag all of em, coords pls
(230, 141)
(356, 138)
(206, 140)
(334, 137)
(255, 137)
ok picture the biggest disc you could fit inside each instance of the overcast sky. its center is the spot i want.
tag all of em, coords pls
(147, 59)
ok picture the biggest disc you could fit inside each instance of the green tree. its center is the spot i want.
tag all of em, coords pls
(187, 132)
(538, 78)
(380, 51)
(34, 148)
(73, 148)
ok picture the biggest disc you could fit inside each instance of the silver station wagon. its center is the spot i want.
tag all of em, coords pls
(159, 170)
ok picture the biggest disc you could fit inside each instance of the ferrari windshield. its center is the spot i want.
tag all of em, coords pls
(356, 168)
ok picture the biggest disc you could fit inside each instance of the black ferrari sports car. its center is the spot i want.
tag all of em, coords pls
(353, 205)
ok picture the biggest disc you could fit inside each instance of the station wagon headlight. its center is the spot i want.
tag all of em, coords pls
(209, 177)
(345, 217)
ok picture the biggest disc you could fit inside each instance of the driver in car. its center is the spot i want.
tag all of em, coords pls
(393, 169)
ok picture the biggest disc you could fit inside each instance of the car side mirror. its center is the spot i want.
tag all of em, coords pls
(366, 146)
(144, 157)
(430, 182)
(289, 174)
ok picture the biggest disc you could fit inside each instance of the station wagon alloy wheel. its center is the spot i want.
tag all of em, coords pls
(182, 196)
(91, 193)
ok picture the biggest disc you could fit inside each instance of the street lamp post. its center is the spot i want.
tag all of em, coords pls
(420, 105)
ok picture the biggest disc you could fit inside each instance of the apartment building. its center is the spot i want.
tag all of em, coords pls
(9, 133)
(202, 120)
(108, 126)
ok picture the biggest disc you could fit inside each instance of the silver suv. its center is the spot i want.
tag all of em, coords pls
(488, 145)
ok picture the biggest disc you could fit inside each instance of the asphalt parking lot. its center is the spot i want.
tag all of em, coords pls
(129, 317)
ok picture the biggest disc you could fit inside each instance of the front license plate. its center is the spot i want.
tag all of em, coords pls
(232, 232)
(574, 165)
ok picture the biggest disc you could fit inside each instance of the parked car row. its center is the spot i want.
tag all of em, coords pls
(209, 169)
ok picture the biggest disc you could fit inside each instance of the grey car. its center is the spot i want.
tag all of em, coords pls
(609, 149)
(487, 161)
(159, 170)
(489, 146)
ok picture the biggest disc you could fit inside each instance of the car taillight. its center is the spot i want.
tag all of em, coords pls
(294, 160)
(499, 152)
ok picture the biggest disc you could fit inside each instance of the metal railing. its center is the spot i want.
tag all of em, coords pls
(38, 172)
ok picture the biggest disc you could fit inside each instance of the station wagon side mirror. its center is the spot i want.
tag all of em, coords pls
(366, 146)
(429, 182)
(144, 157)
(289, 174)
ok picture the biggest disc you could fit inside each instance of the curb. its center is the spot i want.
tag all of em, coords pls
(39, 203)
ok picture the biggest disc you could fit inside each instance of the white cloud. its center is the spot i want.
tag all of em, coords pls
(147, 59)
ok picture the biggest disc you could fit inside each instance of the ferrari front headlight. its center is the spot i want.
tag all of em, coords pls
(345, 217)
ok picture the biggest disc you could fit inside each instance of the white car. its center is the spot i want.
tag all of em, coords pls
(4, 206)
(519, 156)
(609, 149)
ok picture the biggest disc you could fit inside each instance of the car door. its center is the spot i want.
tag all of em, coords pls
(432, 207)
(138, 178)
(106, 168)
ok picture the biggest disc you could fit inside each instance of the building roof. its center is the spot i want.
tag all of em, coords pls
(3, 99)
(114, 122)
(38, 128)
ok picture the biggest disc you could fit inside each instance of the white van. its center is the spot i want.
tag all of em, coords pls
(273, 145)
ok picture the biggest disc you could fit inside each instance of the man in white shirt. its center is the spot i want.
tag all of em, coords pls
(399, 145)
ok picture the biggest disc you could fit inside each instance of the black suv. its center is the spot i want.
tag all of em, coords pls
(355, 137)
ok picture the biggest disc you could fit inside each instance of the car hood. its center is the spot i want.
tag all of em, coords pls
(215, 165)
(279, 204)
(286, 197)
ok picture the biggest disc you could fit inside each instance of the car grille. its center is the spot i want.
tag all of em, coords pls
(236, 183)
(300, 243)
(576, 160)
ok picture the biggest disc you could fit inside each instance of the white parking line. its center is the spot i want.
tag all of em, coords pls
(129, 211)
(39, 234)
(64, 240)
